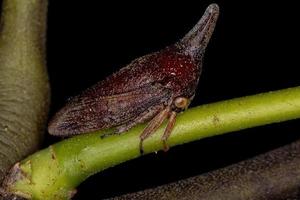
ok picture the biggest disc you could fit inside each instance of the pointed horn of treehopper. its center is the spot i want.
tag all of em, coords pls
(196, 40)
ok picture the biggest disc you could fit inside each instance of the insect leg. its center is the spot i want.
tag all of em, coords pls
(143, 117)
(168, 130)
(153, 125)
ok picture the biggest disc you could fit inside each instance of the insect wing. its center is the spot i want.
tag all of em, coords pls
(84, 114)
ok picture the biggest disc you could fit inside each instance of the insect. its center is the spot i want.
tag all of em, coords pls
(153, 87)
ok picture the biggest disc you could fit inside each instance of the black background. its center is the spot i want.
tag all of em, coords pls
(254, 49)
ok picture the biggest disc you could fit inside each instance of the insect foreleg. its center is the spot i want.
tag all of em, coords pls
(153, 125)
(143, 117)
(168, 130)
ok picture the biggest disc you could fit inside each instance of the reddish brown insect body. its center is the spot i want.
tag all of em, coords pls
(155, 86)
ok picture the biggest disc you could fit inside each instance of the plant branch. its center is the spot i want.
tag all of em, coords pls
(272, 175)
(56, 171)
(24, 87)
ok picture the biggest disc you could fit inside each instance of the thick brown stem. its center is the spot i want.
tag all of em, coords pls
(273, 175)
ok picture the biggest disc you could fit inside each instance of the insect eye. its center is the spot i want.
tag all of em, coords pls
(181, 102)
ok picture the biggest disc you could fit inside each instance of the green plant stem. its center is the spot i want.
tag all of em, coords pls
(24, 87)
(55, 172)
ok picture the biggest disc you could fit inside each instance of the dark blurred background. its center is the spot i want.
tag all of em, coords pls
(255, 48)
